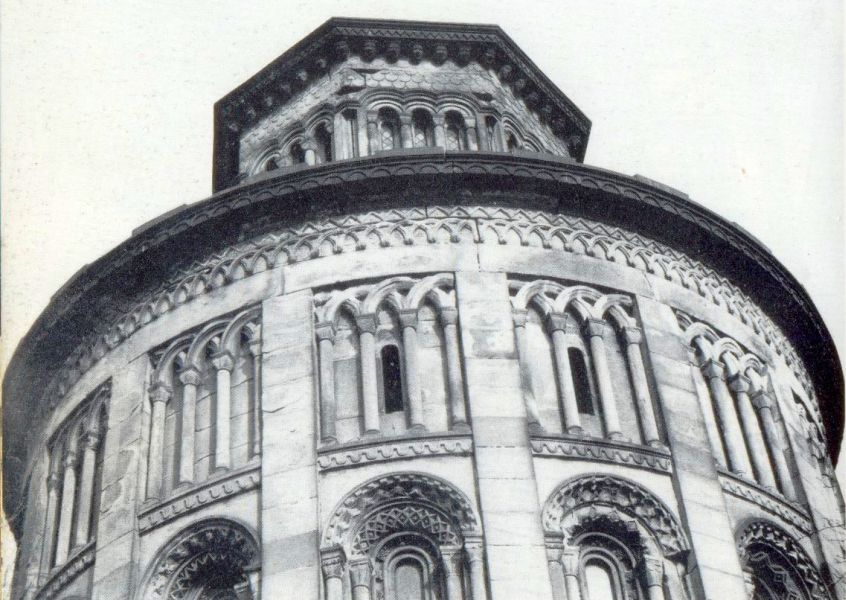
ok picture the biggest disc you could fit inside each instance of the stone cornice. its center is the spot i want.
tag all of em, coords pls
(210, 491)
(412, 179)
(383, 450)
(596, 449)
(775, 504)
(63, 575)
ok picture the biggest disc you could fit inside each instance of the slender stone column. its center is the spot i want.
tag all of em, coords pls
(326, 345)
(63, 540)
(190, 378)
(332, 563)
(557, 327)
(254, 582)
(224, 364)
(632, 337)
(86, 487)
(752, 432)
(51, 518)
(440, 136)
(408, 322)
(360, 580)
(472, 136)
(527, 382)
(556, 570)
(373, 132)
(310, 152)
(595, 329)
(405, 131)
(570, 566)
(484, 142)
(653, 569)
(476, 562)
(367, 358)
(452, 570)
(733, 438)
(457, 405)
(159, 397)
(764, 405)
(255, 351)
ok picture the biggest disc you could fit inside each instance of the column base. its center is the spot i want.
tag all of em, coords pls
(617, 436)
(576, 430)
(658, 444)
(461, 427)
(536, 428)
(418, 428)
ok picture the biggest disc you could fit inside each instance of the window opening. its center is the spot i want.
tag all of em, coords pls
(513, 144)
(423, 128)
(409, 581)
(389, 129)
(351, 124)
(392, 379)
(491, 130)
(581, 383)
(297, 154)
(324, 145)
(599, 581)
(454, 132)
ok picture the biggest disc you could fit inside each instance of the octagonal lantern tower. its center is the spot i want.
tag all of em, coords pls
(413, 348)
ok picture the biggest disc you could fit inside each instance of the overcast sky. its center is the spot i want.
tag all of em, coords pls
(107, 114)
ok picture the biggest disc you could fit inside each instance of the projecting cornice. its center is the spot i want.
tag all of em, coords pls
(401, 180)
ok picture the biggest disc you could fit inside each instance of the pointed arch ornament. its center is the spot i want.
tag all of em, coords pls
(205, 560)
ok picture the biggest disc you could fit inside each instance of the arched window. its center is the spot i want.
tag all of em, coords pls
(389, 129)
(324, 144)
(423, 128)
(391, 378)
(600, 580)
(297, 154)
(455, 131)
(512, 143)
(492, 131)
(349, 135)
(271, 164)
(408, 579)
(581, 383)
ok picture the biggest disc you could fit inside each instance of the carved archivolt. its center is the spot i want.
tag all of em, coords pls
(405, 500)
(616, 500)
(211, 556)
(588, 303)
(761, 539)
(435, 225)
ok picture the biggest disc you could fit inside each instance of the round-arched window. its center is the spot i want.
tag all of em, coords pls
(423, 128)
(455, 131)
(389, 129)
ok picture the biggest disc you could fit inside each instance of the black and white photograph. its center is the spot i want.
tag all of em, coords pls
(374, 300)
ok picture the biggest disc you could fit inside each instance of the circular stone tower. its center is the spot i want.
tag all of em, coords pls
(413, 348)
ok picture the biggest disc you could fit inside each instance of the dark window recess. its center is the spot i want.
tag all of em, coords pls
(297, 154)
(578, 367)
(392, 379)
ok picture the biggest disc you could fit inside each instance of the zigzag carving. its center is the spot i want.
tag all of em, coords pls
(419, 227)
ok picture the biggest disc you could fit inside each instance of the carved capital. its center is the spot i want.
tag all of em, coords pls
(632, 335)
(71, 458)
(475, 551)
(713, 370)
(556, 322)
(653, 570)
(594, 328)
(309, 144)
(453, 559)
(761, 400)
(92, 439)
(372, 117)
(448, 316)
(360, 574)
(332, 562)
(570, 561)
(739, 384)
(54, 480)
(366, 323)
(325, 331)
(520, 317)
(223, 361)
(160, 392)
(190, 376)
(405, 119)
(254, 347)
(438, 120)
(408, 318)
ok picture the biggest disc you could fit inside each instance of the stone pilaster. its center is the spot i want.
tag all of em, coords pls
(508, 495)
(291, 567)
(714, 564)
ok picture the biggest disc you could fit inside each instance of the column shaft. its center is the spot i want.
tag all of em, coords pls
(408, 320)
(191, 379)
(763, 404)
(478, 586)
(224, 365)
(255, 351)
(86, 489)
(733, 438)
(452, 569)
(405, 131)
(325, 334)
(159, 397)
(63, 540)
(610, 416)
(526, 379)
(752, 433)
(472, 136)
(570, 567)
(556, 572)
(569, 406)
(458, 408)
(373, 133)
(643, 399)
(367, 351)
(440, 137)
(51, 523)
(360, 581)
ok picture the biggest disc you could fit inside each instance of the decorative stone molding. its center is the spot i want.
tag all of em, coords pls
(791, 512)
(646, 457)
(625, 499)
(63, 575)
(405, 517)
(335, 457)
(416, 489)
(211, 491)
(776, 539)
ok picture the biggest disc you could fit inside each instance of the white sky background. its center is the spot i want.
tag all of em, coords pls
(107, 115)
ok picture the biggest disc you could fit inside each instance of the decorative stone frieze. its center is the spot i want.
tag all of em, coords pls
(603, 450)
(791, 512)
(385, 451)
(62, 576)
(213, 490)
